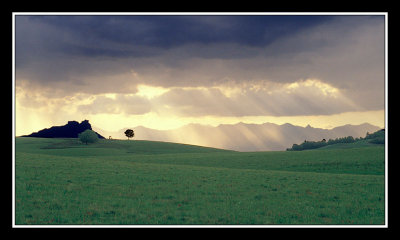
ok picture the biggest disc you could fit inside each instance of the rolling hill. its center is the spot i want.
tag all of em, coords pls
(62, 181)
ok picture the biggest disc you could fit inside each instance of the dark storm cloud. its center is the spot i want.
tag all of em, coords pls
(172, 31)
(70, 49)
(39, 37)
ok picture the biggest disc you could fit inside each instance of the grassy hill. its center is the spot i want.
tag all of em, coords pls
(357, 144)
(371, 139)
(73, 147)
(61, 181)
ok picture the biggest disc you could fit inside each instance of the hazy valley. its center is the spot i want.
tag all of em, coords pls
(242, 136)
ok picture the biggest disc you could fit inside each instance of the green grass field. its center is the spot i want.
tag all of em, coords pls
(61, 181)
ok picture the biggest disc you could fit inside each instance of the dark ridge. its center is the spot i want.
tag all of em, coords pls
(71, 130)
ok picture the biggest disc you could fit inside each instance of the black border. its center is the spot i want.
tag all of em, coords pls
(325, 9)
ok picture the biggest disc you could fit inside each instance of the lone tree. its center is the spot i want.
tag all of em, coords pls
(88, 136)
(129, 133)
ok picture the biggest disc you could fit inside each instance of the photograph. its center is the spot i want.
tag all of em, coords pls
(199, 120)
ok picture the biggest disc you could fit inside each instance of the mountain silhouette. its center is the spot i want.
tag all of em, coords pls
(243, 136)
(71, 130)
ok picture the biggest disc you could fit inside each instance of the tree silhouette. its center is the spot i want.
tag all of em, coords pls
(129, 133)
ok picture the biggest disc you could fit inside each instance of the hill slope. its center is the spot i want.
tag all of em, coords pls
(105, 147)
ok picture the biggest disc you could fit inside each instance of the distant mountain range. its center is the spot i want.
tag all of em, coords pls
(70, 130)
(244, 137)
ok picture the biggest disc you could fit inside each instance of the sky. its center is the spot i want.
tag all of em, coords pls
(166, 71)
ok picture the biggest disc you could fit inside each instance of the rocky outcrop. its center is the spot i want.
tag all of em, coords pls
(71, 130)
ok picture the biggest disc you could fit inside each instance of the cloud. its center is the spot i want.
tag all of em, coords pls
(310, 97)
(64, 56)
(171, 31)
